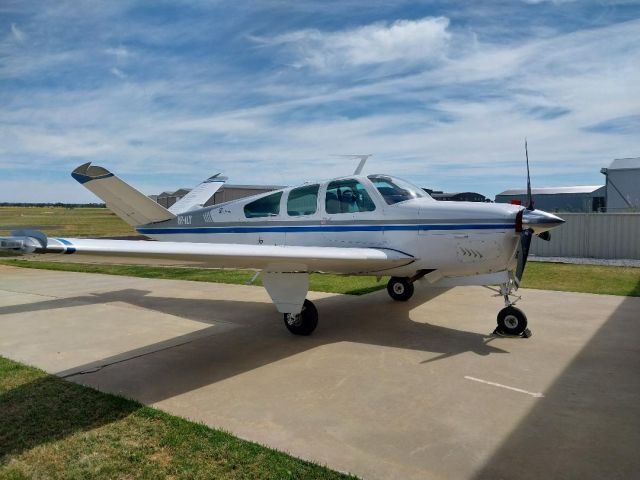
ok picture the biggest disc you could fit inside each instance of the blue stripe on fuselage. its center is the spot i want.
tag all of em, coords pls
(326, 228)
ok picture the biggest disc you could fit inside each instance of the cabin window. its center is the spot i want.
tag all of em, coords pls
(394, 190)
(347, 196)
(303, 200)
(268, 206)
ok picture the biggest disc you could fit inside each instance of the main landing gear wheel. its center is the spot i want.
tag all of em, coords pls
(303, 323)
(400, 288)
(512, 321)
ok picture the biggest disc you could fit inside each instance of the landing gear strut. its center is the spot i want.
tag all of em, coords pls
(303, 323)
(511, 320)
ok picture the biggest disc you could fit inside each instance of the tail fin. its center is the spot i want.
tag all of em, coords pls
(129, 204)
(197, 197)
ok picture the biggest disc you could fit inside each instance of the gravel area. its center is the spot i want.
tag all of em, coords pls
(618, 262)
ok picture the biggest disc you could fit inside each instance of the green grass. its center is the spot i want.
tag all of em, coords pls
(61, 221)
(583, 278)
(542, 275)
(351, 285)
(52, 428)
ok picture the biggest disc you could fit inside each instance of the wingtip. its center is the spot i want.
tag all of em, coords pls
(85, 173)
(218, 177)
(82, 168)
(80, 173)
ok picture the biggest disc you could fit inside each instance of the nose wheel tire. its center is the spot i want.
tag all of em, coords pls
(400, 289)
(512, 321)
(303, 323)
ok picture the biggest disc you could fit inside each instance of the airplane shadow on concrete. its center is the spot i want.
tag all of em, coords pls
(587, 425)
(248, 335)
(243, 336)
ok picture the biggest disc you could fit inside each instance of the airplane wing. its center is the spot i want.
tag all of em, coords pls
(265, 257)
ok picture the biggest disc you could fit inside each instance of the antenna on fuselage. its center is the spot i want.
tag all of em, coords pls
(363, 160)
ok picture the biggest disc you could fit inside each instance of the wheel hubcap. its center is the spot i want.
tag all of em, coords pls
(294, 319)
(398, 288)
(511, 321)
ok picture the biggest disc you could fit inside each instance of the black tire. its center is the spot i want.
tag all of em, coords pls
(400, 289)
(512, 321)
(303, 323)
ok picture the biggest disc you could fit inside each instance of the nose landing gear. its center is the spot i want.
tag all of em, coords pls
(512, 322)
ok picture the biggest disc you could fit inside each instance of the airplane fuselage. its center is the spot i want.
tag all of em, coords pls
(359, 225)
(455, 238)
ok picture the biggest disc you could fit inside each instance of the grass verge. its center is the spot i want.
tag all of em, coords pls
(583, 278)
(541, 275)
(52, 428)
(64, 221)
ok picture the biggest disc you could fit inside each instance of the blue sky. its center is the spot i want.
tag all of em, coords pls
(442, 93)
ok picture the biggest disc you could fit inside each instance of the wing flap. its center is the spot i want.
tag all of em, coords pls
(269, 257)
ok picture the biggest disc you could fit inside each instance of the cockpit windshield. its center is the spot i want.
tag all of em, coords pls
(395, 190)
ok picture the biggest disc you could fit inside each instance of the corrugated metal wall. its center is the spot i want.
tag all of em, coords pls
(626, 182)
(593, 235)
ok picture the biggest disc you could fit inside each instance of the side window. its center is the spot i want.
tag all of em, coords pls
(303, 200)
(394, 190)
(268, 206)
(347, 196)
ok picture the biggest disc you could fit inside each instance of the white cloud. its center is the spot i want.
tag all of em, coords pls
(403, 41)
(121, 53)
(34, 191)
(555, 2)
(16, 65)
(18, 34)
(118, 73)
(456, 121)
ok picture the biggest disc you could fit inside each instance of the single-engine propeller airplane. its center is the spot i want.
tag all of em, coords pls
(375, 225)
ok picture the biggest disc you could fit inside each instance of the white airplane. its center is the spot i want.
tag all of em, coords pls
(356, 225)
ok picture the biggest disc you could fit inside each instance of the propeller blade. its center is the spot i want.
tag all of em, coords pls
(546, 236)
(529, 196)
(523, 253)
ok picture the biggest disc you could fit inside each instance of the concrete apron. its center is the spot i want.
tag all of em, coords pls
(381, 389)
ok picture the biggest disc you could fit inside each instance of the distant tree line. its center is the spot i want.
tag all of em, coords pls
(57, 204)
